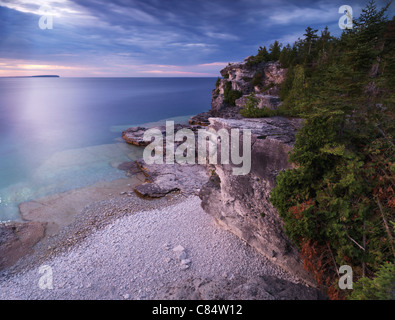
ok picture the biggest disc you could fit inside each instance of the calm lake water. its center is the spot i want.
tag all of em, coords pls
(58, 134)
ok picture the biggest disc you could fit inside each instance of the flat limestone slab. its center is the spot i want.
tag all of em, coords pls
(163, 179)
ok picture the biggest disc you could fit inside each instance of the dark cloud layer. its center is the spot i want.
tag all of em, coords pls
(153, 37)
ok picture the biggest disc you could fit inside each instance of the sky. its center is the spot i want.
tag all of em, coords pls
(152, 38)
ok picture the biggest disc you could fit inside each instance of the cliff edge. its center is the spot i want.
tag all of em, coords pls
(242, 204)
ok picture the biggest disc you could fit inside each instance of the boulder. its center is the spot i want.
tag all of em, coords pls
(135, 136)
(152, 190)
(162, 179)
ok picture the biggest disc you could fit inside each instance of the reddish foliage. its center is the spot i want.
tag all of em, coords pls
(297, 210)
(317, 260)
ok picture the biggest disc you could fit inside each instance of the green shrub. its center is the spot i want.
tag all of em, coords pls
(251, 110)
(382, 287)
(269, 86)
(230, 96)
(257, 79)
(286, 86)
(262, 56)
(338, 202)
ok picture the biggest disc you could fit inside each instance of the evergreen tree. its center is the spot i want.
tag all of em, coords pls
(382, 287)
(365, 38)
(338, 204)
(286, 56)
(310, 38)
(275, 51)
(323, 41)
(263, 54)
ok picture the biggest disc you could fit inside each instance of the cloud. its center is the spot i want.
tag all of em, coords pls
(304, 15)
(214, 64)
(195, 45)
(133, 14)
(171, 72)
(57, 8)
(222, 36)
(18, 67)
(130, 37)
(41, 67)
(290, 38)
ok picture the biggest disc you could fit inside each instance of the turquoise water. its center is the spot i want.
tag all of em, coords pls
(58, 134)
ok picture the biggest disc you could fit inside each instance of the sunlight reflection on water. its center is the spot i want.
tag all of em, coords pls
(57, 134)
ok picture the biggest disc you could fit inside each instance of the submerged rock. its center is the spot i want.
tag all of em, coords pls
(18, 239)
(135, 136)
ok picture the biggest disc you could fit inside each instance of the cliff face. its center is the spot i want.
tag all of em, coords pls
(262, 79)
(241, 74)
(241, 203)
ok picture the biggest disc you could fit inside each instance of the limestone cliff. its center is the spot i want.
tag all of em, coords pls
(241, 203)
(262, 79)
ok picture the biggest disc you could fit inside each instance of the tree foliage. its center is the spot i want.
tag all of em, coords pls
(251, 110)
(230, 95)
(338, 204)
(265, 56)
(382, 287)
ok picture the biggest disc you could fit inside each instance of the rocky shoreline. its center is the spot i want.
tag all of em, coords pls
(240, 204)
(169, 251)
(237, 204)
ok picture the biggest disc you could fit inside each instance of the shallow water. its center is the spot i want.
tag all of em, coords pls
(58, 134)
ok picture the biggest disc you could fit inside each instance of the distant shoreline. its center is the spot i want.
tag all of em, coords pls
(38, 76)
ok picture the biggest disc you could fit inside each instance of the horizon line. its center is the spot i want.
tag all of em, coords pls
(148, 77)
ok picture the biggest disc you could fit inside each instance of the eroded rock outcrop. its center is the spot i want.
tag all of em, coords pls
(241, 203)
(262, 79)
(242, 73)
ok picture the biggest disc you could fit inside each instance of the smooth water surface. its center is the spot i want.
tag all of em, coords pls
(57, 134)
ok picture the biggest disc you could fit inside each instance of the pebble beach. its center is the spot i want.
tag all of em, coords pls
(148, 250)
